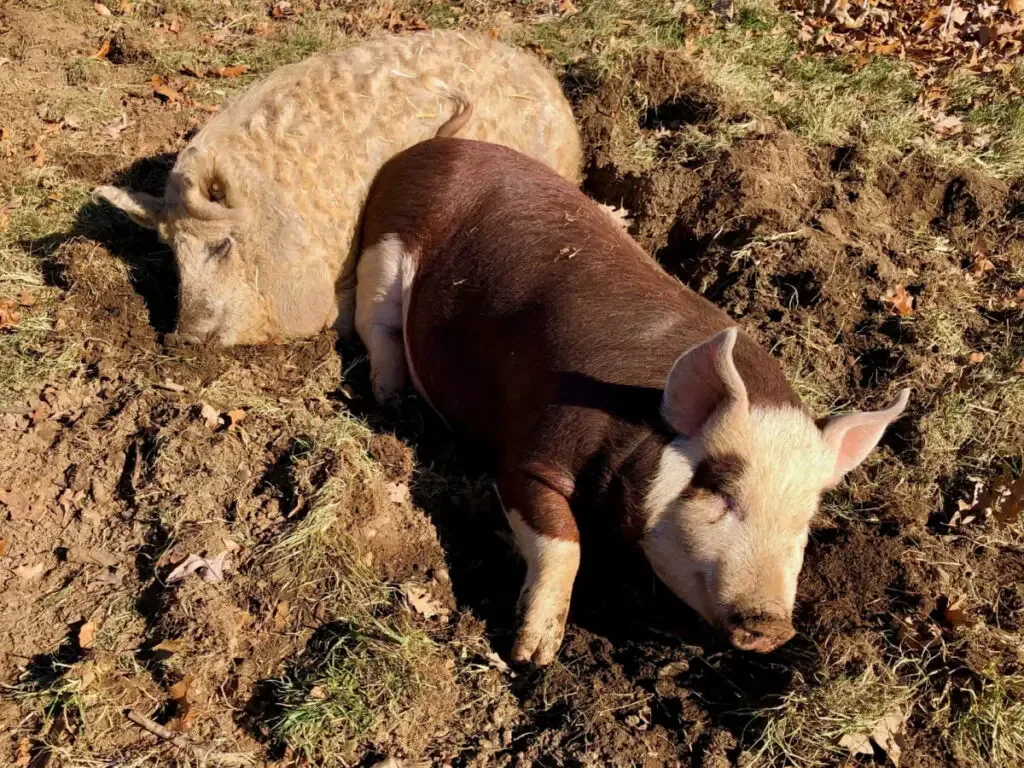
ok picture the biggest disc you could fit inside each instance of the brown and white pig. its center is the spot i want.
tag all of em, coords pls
(262, 206)
(600, 386)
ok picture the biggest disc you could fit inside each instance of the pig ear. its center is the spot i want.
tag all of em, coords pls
(852, 436)
(145, 210)
(702, 380)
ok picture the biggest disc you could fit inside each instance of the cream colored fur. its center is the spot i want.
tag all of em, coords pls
(551, 566)
(285, 168)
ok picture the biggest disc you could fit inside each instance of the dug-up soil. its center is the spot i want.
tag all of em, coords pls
(114, 473)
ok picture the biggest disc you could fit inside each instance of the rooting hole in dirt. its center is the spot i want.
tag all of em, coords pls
(115, 474)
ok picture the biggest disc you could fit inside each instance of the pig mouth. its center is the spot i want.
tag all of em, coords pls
(760, 632)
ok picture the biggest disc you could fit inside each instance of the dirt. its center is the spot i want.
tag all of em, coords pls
(111, 475)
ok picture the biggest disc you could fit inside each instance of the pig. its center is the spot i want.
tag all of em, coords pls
(601, 389)
(262, 205)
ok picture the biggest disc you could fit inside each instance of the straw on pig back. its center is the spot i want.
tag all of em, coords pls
(312, 136)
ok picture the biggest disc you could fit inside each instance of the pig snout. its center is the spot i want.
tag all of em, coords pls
(757, 631)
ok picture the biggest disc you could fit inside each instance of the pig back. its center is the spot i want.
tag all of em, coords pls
(532, 313)
(307, 141)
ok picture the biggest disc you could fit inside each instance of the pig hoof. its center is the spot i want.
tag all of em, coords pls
(539, 648)
(385, 391)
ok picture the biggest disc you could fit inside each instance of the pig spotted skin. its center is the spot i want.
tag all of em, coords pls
(603, 390)
(263, 204)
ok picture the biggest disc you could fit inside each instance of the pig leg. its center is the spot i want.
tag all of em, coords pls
(379, 314)
(547, 536)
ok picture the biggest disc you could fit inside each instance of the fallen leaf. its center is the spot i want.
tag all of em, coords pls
(1009, 512)
(1020, 367)
(24, 752)
(162, 90)
(125, 8)
(89, 556)
(210, 569)
(422, 601)
(111, 577)
(101, 9)
(902, 302)
(209, 415)
(103, 51)
(398, 493)
(175, 26)
(37, 154)
(9, 316)
(950, 125)
(976, 357)
(281, 615)
(233, 418)
(282, 10)
(235, 71)
(567, 8)
(29, 572)
(317, 692)
(955, 614)
(86, 634)
(4, 545)
(887, 734)
(184, 712)
(170, 646)
(26, 299)
(981, 265)
(114, 128)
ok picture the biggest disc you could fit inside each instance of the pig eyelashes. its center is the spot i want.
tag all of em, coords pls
(220, 251)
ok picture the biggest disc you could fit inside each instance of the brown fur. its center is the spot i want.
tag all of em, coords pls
(577, 406)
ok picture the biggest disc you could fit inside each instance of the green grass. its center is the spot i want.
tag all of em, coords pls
(29, 353)
(991, 731)
(359, 676)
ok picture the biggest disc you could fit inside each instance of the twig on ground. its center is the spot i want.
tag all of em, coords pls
(204, 755)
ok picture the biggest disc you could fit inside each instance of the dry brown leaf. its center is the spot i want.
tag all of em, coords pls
(976, 357)
(170, 646)
(282, 10)
(162, 90)
(1020, 367)
(125, 8)
(175, 26)
(101, 9)
(9, 316)
(86, 634)
(567, 8)
(210, 415)
(950, 125)
(26, 298)
(398, 493)
(1009, 512)
(422, 601)
(902, 303)
(233, 418)
(887, 733)
(981, 265)
(235, 71)
(103, 51)
(955, 614)
(317, 692)
(184, 712)
(24, 752)
(4, 545)
(281, 615)
(37, 154)
(29, 572)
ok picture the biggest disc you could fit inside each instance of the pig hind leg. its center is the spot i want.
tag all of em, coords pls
(547, 537)
(378, 314)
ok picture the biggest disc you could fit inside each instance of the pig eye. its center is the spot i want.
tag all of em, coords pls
(220, 251)
(730, 504)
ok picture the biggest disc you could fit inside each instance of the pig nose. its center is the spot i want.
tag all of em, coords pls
(759, 632)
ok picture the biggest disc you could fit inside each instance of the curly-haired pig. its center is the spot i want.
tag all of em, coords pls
(262, 206)
(599, 385)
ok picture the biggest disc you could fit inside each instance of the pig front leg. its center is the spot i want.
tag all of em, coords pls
(378, 314)
(548, 539)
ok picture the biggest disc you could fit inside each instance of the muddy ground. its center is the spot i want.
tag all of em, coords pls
(113, 472)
